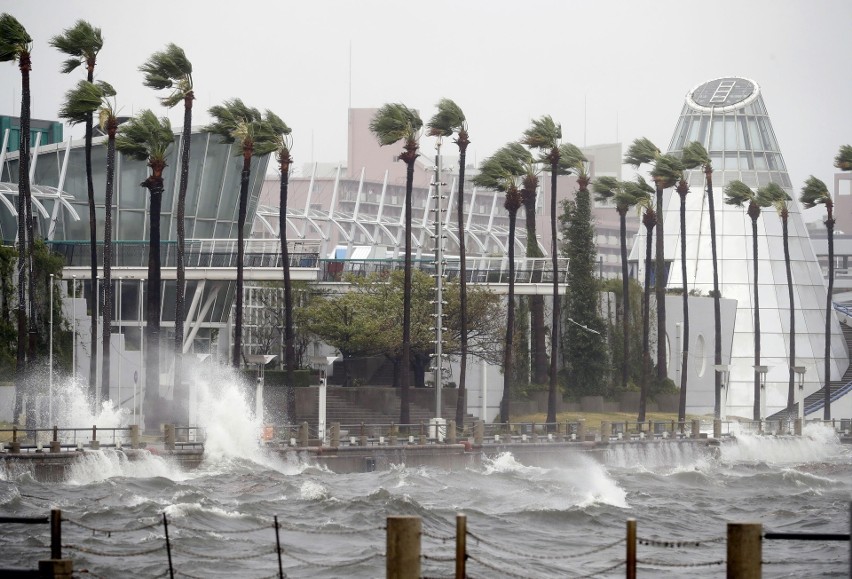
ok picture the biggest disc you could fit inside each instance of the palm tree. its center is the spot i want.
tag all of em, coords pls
(816, 193)
(15, 45)
(682, 189)
(544, 134)
(81, 102)
(237, 123)
(611, 189)
(392, 123)
(739, 194)
(779, 200)
(282, 155)
(641, 192)
(500, 173)
(147, 138)
(843, 159)
(695, 155)
(82, 43)
(665, 173)
(171, 70)
(448, 120)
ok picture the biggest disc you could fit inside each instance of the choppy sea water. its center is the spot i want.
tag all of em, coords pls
(566, 519)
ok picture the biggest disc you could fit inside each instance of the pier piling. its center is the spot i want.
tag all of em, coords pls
(403, 548)
(744, 550)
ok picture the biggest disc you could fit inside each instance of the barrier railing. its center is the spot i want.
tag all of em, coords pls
(57, 439)
(415, 549)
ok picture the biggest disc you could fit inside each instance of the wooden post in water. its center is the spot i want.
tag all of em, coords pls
(362, 438)
(717, 429)
(55, 534)
(55, 445)
(696, 428)
(303, 434)
(403, 548)
(422, 441)
(630, 559)
(451, 432)
(94, 444)
(797, 426)
(461, 546)
(581, 431)
(134, 436)
(744, 550)
(478, 432)
(393, 436)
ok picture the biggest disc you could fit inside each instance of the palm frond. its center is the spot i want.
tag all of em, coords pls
(667, 170)
(639, 191)
(145, 137)
(843, 160)
(81, 42)
(738, 193)
(80, 101)
(772, 195)
(605, 188)
(641, 151)
(814, 193)
(544, 133)
(14, 39)
(394, 122)
(571, 161)
(447, 120)
(499, 171)
(169, 69)
(233, 120)
(695, 155)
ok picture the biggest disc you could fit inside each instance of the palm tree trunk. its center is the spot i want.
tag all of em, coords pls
(23, 188)
(289, 350)
(791, 387)
(25, 66)
(646, 320)
(153, 298)
(660, 290)
(405, 382)
(554, 322)
(241, 223)
(625, 298)
(536, 303)
(181, 397)
(717, 301)
(684, 360)
(508, 369)
(829, 225)
(93, 251)
(461, 401)
(107, 309)
(756, 314)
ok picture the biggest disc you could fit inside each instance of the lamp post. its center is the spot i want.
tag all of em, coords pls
(50, 359)
(74, 330)
(762, 371)
(439, 279)
(724, 371)
(800, 391)
(120, 341)
(261, 360)
(322, 363)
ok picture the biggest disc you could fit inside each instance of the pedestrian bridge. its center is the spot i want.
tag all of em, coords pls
(216, 260)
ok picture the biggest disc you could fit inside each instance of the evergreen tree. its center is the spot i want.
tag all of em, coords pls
(586, 357)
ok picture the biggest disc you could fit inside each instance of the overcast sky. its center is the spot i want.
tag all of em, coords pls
(607, 70)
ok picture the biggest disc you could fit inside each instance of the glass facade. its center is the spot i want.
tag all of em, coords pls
(729, 118)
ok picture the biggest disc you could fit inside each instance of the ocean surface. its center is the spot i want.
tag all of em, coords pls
(566, 519)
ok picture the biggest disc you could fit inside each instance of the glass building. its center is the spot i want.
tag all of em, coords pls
(728, 116)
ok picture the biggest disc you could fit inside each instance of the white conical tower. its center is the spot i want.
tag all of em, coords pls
(728, 116)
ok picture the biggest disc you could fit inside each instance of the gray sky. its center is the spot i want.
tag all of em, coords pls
(607, 70)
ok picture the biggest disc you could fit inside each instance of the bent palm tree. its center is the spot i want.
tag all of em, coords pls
(147, 138)
(641, 192)
(284, 145)
(500, 172)
(608, 189)
(244, 126)
(682, 189)
(15, 45)
(843, 159)
(448, 120)
(544, 135)
(779, 200)
(171, 70)
(695, 155)
(816, 193)
(392, 123)
(82, 43)
(665, 172)
(82, 102)
(739, 194)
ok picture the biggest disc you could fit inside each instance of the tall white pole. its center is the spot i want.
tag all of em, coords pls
(141, 379)
(439, 280)
(120, 348)
(50, 358)
(74, 330)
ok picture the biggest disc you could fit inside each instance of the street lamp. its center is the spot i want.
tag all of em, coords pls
(322, 363)
(120, 348)
(724, 372)
(74, 330)
(800, 399)
(50, 358)
(261, 360)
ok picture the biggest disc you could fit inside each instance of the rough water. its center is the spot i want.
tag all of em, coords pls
(566, 519)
